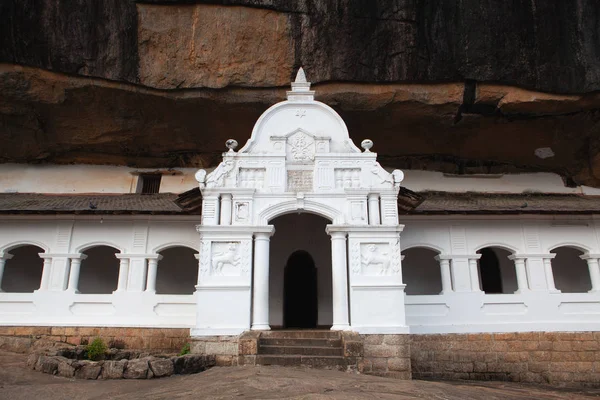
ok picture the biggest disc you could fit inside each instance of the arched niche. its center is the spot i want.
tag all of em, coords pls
(497, 273)
(571, 273)
(99, 272)
(23, 272)
(421, 271)
(177, 271)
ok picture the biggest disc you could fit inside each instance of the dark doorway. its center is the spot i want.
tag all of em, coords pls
(300, 306)
(489, 268)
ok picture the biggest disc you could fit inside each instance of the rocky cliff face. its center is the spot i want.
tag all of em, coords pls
(459, 85)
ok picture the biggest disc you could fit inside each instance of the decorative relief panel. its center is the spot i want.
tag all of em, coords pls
(204, 258)
(252, 178)
(242, 211)
(300, 147)
(300, 181)
(346, 178)
(226, 259)
(358, 211)
(376, 260)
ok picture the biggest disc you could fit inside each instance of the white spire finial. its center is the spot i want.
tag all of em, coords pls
(301, 89)
(300, 76)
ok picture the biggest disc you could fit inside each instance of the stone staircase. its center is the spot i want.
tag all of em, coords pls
(308, 348)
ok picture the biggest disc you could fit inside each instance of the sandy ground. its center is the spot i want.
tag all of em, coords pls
(18, 382)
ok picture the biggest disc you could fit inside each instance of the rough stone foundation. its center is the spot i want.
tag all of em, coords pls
(21, 339)
(556, 358)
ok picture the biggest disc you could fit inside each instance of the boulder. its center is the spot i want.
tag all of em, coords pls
(192, 364)
(65, 368)
(87, 369)
(47, 364)
(161, 367)
(136, 369)
(113, 369)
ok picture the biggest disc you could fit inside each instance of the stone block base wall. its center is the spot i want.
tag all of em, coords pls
(21, 339)
(225, 349)
(556, 358)
(386, 355)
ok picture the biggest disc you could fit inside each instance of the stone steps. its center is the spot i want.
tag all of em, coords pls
(301, 350)
(300, 342)
(308, 348)
(304, 361)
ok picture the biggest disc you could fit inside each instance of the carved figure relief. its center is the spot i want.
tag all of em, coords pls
(301, 147)
(382, 175)
(225, 259)
(375, 259)
(218, 176)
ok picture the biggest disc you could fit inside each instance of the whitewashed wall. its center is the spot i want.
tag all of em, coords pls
(463, 308)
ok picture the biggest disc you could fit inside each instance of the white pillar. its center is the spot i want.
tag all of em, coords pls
(594, 268)
(474, 273)
(521, 273)
(226, 209)
(445, 272)
(3, 259)
(260, 292)
(152, 271)
(373, 206)
(46, 271)
(74, 271)
(123, 273)
(339, 277)
(549, 276)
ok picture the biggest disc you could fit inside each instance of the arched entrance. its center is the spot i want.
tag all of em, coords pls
(300, 286)
(300, 302)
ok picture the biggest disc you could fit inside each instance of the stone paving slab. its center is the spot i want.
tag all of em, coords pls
(18, 382)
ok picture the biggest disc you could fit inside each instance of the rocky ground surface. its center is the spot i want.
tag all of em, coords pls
(18, 382)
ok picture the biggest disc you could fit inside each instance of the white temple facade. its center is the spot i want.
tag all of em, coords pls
(298, 228)
(300, 159)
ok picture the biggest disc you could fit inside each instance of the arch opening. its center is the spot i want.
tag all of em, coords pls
(177, 271)
(300, 254)
(571, 273)
(99, 271)
(421, 271)
(300, 302)
(23, 272)
(497, 273)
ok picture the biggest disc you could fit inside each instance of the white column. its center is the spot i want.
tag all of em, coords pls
(226, 209)
(3, 259)
(474, 273)
(260, 292)
(594, 268)
(445, 272)
(339, 277)
(74, 271)
(549, 276)
(373, 206)
(521, 273)
(152, 271)
(123, 274)
(46, 271)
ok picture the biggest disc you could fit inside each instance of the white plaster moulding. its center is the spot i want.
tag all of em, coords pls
(223, 287)
(106, 217)
(168, 325)
(232, 230)
(503, 327)
(367, 230)
(381, 330)
(134, 255)
(534, 255)
(505, 217)
(458, 256)
(61, 255)
(195, 332)
(369, 286)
